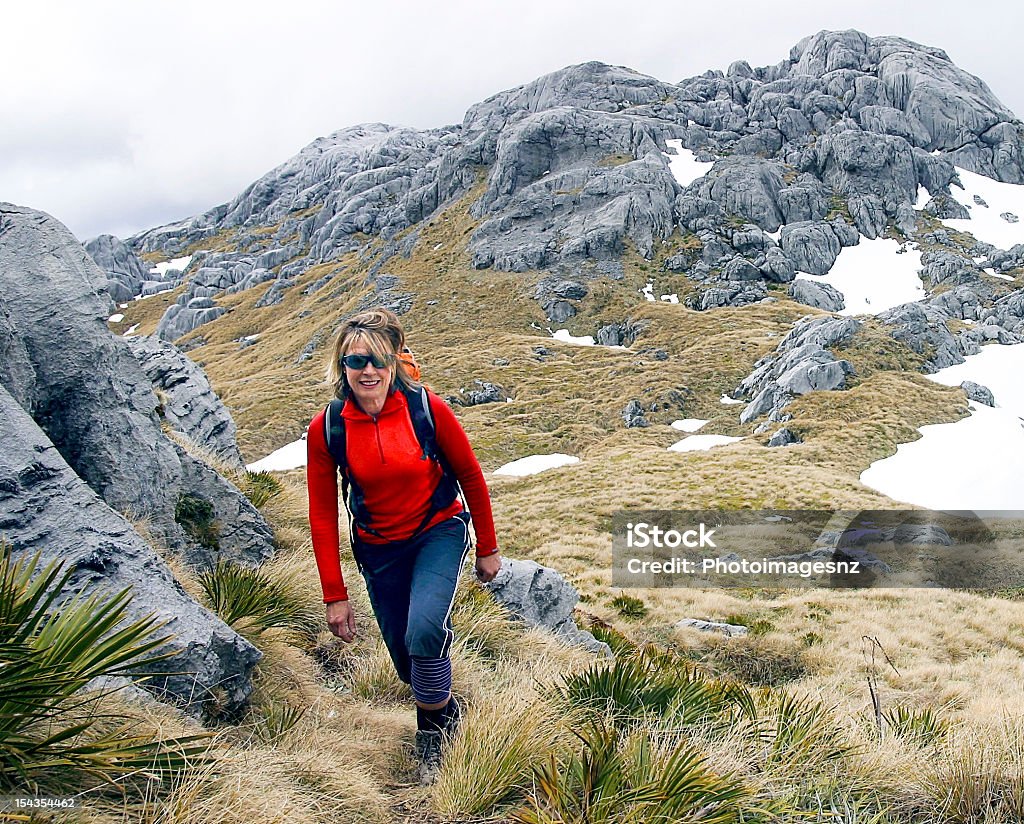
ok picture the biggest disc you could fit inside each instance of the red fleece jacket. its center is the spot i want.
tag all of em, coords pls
(383, 456)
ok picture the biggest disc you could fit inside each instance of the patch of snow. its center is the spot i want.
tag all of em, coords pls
(776, 235)
(701, 443)
(564, 336)
(532, 464)
(725, 399)
(684, 165)
(130, 330)
(999, 222)
(438, 246)
(670, 298)
(290, 456)
(115, 318)
(648, 291)
(161, 292)
(122, 306)
(973, 463)
(999, 275)
(178, 264)
(875, 275)
(688, 424)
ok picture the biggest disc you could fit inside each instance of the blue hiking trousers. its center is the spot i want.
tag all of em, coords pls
(411, 585)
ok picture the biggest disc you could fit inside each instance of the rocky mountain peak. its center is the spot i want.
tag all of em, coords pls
(829, 145)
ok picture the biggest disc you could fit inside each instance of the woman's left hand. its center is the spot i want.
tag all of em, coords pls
(488, 566)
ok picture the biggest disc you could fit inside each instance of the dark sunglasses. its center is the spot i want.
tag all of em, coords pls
(360, 361)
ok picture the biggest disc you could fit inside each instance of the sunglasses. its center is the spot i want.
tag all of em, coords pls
(360, 361)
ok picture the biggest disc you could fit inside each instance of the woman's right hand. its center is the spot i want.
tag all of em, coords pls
(341, 620)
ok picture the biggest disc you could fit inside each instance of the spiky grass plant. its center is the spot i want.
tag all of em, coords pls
(50, 731)
(629, 778)
(923, 727)
(797, 733)
(260, 487)
(651, 684)
(253, 602)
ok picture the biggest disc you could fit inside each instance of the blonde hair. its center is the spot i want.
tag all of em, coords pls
(381, 333)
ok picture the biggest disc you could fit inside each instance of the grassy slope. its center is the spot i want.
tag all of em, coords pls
(462, 321)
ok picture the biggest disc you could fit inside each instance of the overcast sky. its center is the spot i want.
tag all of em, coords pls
(119, 116)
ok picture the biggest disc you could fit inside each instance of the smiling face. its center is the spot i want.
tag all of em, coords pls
(369, 385)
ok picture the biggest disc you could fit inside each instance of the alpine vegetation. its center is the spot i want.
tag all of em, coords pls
(789, 287)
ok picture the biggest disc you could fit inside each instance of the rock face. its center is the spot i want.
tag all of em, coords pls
(45, 507)
(541, 597)
(190, 405)
(84, 450)
(801, 363)
(923, 329)
(89, 395)
(829, 144)
(125, 271)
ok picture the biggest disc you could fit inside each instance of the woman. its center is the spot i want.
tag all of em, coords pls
(408, 539)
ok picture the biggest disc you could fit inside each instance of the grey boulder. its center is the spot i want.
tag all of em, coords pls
(541, 597)
(46, 508)
(819, 295)
(977, 392)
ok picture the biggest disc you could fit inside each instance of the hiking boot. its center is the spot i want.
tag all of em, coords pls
(428, 752)
(452, 718)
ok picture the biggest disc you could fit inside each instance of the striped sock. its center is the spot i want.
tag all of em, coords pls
(431, 679)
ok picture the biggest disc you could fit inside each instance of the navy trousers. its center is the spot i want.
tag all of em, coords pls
(411, 585)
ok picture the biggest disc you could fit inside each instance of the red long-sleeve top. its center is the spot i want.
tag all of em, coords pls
(383, 456)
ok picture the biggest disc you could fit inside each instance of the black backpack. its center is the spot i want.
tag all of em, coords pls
(447, 489)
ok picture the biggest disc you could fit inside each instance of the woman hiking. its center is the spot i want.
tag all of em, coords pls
(400, 452)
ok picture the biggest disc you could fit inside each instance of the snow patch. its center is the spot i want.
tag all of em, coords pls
(973, 463)
(688, 424)
(998, 219)
(726, 400)
(701, 443)
(532, 464)
(178, 264)
(115, 318)
(684, 165)
(290, 456)
(130, 330)
(564, 336)
(875, 275)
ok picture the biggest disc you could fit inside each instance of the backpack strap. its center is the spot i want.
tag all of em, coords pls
(351, 492)
(447, 489)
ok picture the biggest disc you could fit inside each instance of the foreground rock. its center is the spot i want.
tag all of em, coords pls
(84, 457)
(88, 393)
(46, 508)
